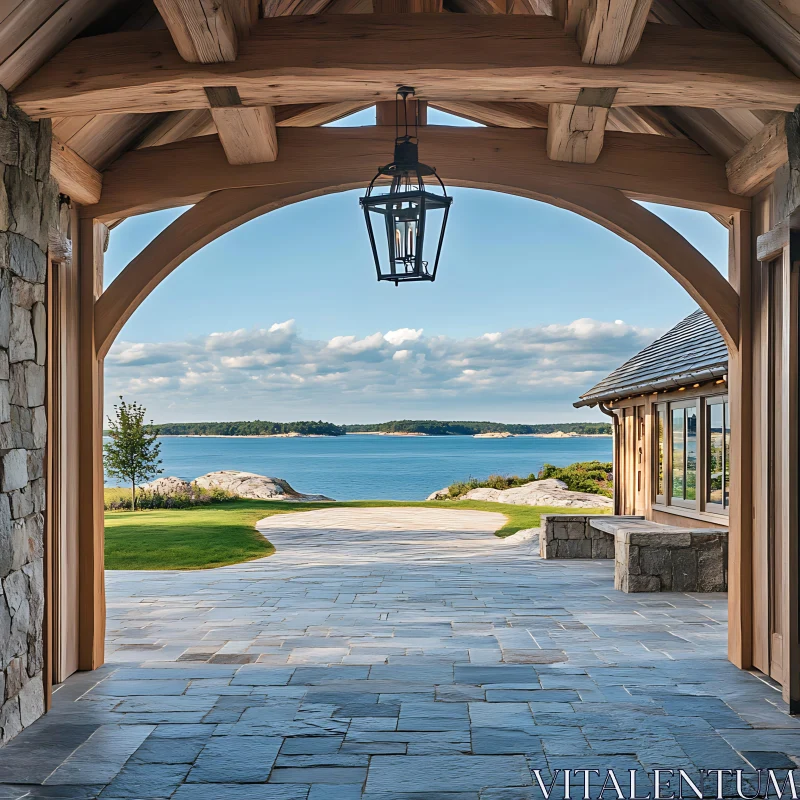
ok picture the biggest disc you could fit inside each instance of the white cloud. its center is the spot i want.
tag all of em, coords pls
(275, 372)
(402, 335)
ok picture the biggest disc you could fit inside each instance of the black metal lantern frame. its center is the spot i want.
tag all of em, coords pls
(405, 209)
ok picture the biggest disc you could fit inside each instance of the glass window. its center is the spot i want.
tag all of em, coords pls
(678, 433)
(727, 484)
(717, 461)
(691, 454)
(661, 424)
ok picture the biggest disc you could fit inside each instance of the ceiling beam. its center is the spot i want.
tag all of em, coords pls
(575, 133)
(312, 59)
(503, 115)
(75, 177)
(646, 167)
(248, 135)
(179, 125)
(752, 168)
(203, 30)
(309, 115)
(608, 32)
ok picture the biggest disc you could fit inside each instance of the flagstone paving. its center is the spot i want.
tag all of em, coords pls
(396, 654)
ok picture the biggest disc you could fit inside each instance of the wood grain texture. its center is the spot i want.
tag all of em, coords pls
(647, 167)
(406, 6)
(504, 115)
(575, 133)
(91, 597)
(610, 30)
(223, 211)
(312, 59)
(740, 383)
(753, 166)
(105, 137)
(32, 51)
(248, 135)
(309, 115)
(391, 113)
(75, 177)
(280, 8)
(178, 125)
(569, 13)
(203, 30)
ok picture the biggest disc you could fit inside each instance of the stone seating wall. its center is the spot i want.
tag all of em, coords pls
(648, 556)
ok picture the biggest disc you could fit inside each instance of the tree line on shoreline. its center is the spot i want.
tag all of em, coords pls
(320, 428)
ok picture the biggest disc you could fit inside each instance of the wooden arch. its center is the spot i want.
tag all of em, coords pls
(224, 210)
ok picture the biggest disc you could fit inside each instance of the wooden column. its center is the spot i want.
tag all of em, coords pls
(790, 473)
(90, 245)
(740, 377)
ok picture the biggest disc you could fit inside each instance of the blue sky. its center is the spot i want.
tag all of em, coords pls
(561, 299)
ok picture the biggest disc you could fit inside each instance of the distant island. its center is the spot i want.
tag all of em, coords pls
(404, 427)
(443, 428)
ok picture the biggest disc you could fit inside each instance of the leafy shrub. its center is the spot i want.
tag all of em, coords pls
(594, 477)
(116, 500)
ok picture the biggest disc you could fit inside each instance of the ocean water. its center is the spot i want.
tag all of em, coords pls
(369, 467)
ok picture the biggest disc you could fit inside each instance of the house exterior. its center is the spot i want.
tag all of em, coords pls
(672, 429)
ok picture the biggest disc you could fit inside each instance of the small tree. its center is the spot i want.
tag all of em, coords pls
(133, 452)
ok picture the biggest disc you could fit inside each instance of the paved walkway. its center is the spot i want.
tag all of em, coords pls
(395, 654)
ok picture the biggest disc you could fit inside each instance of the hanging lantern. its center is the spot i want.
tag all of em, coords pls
(406, 224)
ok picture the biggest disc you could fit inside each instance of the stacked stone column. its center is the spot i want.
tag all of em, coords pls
(28, 202)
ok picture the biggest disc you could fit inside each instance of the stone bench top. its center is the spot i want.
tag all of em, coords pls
(654, 534)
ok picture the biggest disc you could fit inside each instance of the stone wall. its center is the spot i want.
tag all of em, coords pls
(572, 536)
(28, 200)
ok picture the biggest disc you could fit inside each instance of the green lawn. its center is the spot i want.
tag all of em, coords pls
(216, 535)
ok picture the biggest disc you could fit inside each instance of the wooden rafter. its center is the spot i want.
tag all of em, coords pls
(312, 59)
(208, 32)
(248, 134)
(203, 30)
(179, 125)
(504, 115)
(608, 32)
(309, 115)
(753, 166)
(75, 177)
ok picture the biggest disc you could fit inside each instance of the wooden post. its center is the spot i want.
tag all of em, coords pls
(90, 245)
(790, 656)
(740, 377)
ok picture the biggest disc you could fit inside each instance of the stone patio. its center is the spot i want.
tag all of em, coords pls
(396, 654)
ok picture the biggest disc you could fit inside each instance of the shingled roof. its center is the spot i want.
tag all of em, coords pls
(691, 352)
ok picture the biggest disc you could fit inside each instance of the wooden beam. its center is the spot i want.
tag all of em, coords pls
(203, 30)
(280, 8)
(75, 177)
(179, 125)
(503, 115)
(569, 13)
(575, 133)
(310, 115)
(33, 34)
(754, 165)
(646, 167)
(610, 30)
(406, 6)
(311, 59)
(248, 135)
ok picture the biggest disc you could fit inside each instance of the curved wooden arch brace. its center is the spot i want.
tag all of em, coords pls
(223, 211)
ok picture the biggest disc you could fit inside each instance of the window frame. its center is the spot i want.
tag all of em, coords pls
(661, 452)
(708, 505)
(675, 406)
(667, 501)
